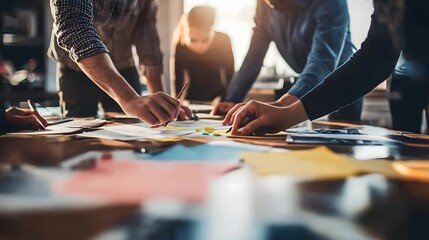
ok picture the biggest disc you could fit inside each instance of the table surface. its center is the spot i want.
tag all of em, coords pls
(362, 207)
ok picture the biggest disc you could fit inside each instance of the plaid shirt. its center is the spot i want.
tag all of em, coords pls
(83, 28)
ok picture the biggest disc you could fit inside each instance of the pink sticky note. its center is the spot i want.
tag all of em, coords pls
(128, 181)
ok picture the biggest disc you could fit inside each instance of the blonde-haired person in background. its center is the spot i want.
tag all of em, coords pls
(201, 55)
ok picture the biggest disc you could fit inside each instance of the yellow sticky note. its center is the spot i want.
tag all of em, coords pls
(319, 163)
(174, 128)
(209, 129)
(168, 139)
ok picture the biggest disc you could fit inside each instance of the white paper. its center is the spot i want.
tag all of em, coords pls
(63, 128)
(83, 123)
(142, 131)
(200, 107)
(193, 125)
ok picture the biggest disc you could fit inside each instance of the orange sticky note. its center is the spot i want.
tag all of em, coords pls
(129, 181)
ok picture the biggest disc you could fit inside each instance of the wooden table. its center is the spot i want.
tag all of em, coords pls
(359, 207)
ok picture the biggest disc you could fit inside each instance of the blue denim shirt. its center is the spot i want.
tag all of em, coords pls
(313, 38)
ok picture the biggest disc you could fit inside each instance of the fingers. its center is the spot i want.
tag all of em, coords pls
(222, 108)
(188, 112)
(230, 115)
(174, 102)
(166, 112)
(182, 115)
(240, 117)
(30, 120)
(252, 127)
(41, 119)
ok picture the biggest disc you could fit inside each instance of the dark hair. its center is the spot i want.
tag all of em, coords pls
(201, 17)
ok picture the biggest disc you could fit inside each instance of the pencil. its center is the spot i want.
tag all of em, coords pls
(30, 105)
(179, 95)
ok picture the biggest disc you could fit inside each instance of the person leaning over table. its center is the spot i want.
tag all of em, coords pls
(84, 32)
(16, 118)
(312, 36)
(396, 25)
(202, 54)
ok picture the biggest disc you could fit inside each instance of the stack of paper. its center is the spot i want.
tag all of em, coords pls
(319, 163)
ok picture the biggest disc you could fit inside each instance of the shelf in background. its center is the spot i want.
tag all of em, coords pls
(16, 40)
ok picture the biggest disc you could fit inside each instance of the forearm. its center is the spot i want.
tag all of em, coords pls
(100, 69)
(154, 83)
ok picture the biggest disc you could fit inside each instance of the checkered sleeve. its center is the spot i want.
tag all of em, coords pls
(73, 27)
(146, 40)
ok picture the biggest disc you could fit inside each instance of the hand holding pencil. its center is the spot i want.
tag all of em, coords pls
(18, 118)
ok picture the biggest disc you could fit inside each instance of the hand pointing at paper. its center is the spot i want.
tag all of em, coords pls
(260, 118)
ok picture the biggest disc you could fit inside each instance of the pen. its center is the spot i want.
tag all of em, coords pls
(229, 130)
(180, 95)
(30, 105)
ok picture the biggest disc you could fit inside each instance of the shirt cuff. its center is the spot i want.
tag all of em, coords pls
(303, 85)
(311, 107)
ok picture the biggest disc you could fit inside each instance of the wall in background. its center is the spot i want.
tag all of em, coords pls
(169, 13)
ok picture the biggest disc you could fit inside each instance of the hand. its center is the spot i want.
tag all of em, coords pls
(185, 113)
(286, 100)
(155, 109)
(222, 108)
(260, 118)
(24, 119)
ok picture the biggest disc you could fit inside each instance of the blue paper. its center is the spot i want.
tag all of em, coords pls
(204, 152)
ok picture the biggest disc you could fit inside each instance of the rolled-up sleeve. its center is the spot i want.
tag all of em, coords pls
(73, 27)
(327, 46)
(147, 43)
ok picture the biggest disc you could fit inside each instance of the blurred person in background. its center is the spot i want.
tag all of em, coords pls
(201, 55)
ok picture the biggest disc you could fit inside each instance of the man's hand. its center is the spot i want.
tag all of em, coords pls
(222, 108)
(185, 113)
(24, 119)
(155, 109)
(260, 118)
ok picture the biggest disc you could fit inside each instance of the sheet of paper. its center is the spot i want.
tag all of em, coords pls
(64, 128)
(216, 151)
(51, 130)
(128, 181)
(83, 123)
(193, 125)
(142, 131)
(319, 163)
